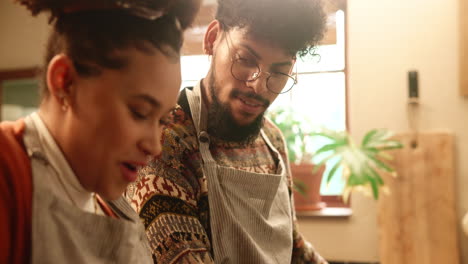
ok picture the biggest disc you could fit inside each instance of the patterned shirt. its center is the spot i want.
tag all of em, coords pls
(171, 194)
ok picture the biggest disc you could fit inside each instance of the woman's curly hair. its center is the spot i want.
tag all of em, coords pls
(184, 10)
(294, 25)
(90, 37)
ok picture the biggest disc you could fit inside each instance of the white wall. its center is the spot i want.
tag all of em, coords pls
(387, 38)
(22, 37)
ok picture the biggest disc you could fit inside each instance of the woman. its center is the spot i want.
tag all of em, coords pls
(111, 75)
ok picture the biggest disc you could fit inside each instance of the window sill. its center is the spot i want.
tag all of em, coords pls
(332, 212)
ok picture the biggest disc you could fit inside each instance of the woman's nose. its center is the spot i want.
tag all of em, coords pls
(151, 145)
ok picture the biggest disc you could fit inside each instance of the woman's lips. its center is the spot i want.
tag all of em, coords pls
(129, 170)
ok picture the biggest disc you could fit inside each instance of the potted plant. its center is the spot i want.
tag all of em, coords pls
(359, 164)
(307, 177)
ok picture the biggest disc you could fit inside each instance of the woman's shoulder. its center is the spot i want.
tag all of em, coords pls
(12, 129)
(15, 193)
(15, 165)
(11, 141)
(14, 160)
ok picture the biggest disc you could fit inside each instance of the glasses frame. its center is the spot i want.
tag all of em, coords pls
(256, 75)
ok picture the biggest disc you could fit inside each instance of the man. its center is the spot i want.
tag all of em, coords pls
(221, 190)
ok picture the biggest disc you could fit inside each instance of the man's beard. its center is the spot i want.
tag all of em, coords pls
(221, 123)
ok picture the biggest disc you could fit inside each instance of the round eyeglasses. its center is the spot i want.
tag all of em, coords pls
(248, 71)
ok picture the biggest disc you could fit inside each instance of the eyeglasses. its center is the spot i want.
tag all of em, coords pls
(247, 70)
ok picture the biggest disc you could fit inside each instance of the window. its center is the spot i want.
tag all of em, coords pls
(320, 94)
(19, 93)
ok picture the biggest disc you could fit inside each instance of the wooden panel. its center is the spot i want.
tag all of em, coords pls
(417, 221)
(463, 15)
(193, 37)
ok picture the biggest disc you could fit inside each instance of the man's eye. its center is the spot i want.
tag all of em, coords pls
(246, 62)
(280, 74)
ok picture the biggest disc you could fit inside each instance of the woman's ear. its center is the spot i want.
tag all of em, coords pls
(60, 77)
(212, 33)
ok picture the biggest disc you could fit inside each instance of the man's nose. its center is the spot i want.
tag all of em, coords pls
(259, 82)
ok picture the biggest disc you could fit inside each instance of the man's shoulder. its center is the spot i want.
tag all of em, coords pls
(181, 130)
(272, 131)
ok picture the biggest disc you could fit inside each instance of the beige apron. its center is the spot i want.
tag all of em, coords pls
(63, 233)
(250, 213)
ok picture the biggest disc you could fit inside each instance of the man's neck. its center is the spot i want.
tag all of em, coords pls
(205, 91)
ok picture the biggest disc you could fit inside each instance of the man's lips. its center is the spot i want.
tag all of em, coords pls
(250, 98)
(249, 106)
(250, 102)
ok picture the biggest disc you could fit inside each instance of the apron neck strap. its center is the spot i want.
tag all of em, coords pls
(200, 116)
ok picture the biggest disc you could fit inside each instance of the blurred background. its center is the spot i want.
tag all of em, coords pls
(359, 82)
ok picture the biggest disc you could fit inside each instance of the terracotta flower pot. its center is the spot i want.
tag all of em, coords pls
(311, 200)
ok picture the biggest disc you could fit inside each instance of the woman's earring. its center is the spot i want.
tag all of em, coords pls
(209, 50)
(65, 104)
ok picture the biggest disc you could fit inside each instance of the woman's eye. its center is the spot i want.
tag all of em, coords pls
(137, 115)
(165, 121)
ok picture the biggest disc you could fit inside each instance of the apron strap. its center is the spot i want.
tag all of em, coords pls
(33, 147)
(200, 115)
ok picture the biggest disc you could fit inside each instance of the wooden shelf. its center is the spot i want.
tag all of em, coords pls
(327, 212)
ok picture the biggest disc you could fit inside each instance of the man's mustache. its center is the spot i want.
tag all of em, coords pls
(251, 95)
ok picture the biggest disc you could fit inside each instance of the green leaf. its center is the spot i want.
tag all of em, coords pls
(292, 156)
(381, 165)
(300, 187)
(368, 137)
(390, 145)
(370, 149)
(323, 161)
(333, 170)
(333, 135)
(376, 176)
(375, 187)
(329, 147)
(353, 180)
(384, 156)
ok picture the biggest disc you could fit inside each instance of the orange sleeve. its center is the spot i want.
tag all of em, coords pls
(15, 196)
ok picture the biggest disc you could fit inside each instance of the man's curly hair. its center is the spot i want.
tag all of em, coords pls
(294, 25)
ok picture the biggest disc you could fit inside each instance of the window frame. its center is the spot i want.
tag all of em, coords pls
(337, 200)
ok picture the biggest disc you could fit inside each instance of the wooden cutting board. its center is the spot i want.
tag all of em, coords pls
(417, 221)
